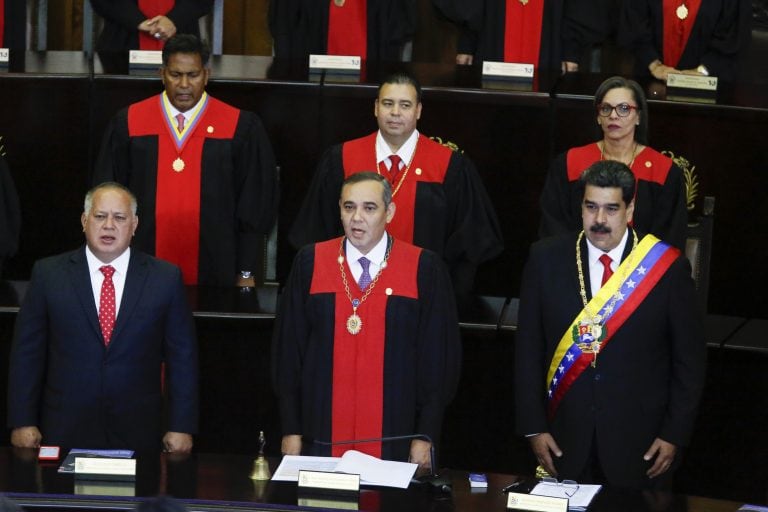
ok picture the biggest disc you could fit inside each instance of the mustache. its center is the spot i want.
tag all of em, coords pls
(600, 228)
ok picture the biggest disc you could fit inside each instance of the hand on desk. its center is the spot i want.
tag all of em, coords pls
(421, 453)
(26, 437)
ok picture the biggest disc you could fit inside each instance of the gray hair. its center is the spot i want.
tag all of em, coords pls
(358, 177)
(88, 203)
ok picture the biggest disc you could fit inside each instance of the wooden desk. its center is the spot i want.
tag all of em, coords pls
(220, 482)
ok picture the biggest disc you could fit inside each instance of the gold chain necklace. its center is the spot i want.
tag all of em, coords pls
(601, 145)
(405, 171)
(593, 322)
(354, 322)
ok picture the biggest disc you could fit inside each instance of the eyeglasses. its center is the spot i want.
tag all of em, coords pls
(622, 109)
(570, 487)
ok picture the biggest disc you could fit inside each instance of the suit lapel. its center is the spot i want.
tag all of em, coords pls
(80, 278)
(134, 283)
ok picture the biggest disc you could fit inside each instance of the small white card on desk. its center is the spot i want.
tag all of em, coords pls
(519, 501)
(700, 83)
(5, 54)
(105, 466)
(144, 58)
(329, 481)
(348, 63)
(508, 69)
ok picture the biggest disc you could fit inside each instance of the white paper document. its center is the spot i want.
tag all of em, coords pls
(579, 497)
(372, 471)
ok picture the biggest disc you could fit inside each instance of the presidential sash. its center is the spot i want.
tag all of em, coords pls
(614, 303)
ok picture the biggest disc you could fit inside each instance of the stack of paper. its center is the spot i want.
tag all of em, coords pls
(372, 471)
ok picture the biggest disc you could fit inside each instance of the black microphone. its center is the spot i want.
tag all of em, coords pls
(434, 480)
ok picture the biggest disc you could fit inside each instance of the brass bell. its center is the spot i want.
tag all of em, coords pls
(260, 465)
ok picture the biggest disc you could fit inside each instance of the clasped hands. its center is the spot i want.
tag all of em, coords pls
(159, 27)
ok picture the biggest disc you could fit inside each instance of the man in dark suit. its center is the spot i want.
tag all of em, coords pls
(610, 352)
(92, 334)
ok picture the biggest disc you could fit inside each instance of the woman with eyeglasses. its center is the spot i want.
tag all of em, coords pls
(621, 113)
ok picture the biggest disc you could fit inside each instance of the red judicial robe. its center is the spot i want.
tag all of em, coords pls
(721, 29)
(395, 377)
(236, 195)
(121, 17)
(300, 27)
(442, 205)
(660, 205)
(10, 215)
(484, 26)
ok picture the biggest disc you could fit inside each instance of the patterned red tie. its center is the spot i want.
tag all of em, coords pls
(394, 168)
(107, 303)
(180, 122)
(607, 272)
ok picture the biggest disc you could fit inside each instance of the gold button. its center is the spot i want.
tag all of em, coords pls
(210, 129)
(648, 163)
(418, 171)
(388, 291)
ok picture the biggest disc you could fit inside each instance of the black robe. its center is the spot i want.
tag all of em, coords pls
(238, 192)
(121, 17)
(15, 25)
(422, 351)
(300, 27)
(720, 32)
(454, 219)
(660, 209)
(482, 22)
(10, 215)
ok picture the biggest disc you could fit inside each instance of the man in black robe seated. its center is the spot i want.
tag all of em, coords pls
(203, 172)
(366, 342)
(442, 204)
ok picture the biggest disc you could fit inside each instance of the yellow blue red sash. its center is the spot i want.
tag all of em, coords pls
(180, 139)
(630, 286)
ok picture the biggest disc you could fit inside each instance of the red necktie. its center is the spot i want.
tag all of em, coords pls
(107, 303)
(394, 168)
(607, 272)
(180, 121)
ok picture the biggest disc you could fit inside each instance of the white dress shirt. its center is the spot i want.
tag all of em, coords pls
(405, 152)
(596, 266)
(118, 278)
(375, 255)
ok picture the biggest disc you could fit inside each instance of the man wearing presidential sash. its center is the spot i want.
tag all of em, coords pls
(610, 353)
(203, 172)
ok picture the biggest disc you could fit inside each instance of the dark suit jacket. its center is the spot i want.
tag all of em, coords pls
(647, 382)
(82, 394)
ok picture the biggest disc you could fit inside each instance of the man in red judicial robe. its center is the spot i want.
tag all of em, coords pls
(372, 29)
(551, 34)
(442, 204)
(696, 37)
(203, 172)
(147, 24)
(366, 343)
